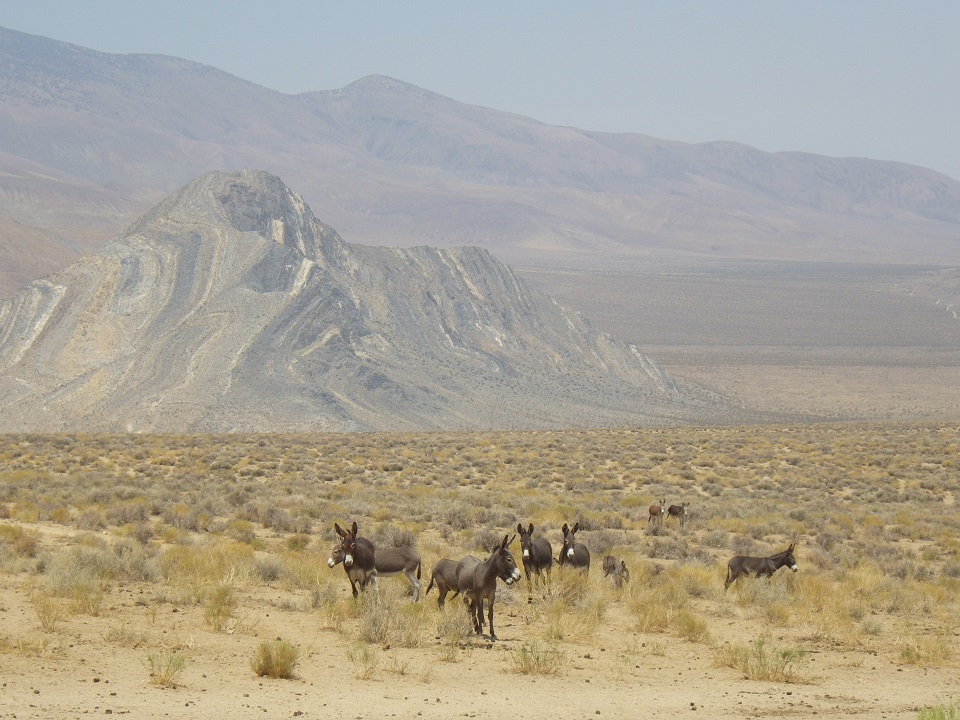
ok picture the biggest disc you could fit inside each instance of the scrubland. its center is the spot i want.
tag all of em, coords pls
(187, 575)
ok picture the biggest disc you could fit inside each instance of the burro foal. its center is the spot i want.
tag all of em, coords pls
(759, 566)
(617, 569)
(536, 556)
(478, 582)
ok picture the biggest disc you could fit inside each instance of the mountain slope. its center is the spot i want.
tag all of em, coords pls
(89, 141)
(230, 307)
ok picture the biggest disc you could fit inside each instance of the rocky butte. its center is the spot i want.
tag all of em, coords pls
(229, 307)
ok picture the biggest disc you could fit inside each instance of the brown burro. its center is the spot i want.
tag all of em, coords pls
(477, 582)
(657, 513)
(759, 566)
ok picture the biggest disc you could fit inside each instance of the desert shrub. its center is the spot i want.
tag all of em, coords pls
(656, 605)
(485, 539)
(743, 545)
(298, 542)
(332, 610)
(275, 659)
(91, 519)
(81, 574)
(691, 627)
(392, 536)
(669, 548)
(455, 631)
(699, 581)
(208, 563)
(241, 531)
(388, 618)
(269, 568)
(128, 512)
(22, 542)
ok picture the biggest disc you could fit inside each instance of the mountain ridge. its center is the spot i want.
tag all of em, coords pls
(91, 141)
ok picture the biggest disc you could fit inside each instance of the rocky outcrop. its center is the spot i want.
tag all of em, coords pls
(229, 307)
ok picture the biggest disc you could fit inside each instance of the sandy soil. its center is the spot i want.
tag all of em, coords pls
(95, 666)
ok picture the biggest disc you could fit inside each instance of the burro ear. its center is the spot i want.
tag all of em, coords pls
(503, 543)
(510, 542)
(564, 529)
(576, 527)
(355, 528)
(530, 529)
(340, 531)
(520, 528)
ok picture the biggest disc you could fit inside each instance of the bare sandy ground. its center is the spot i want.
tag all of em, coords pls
(95, 666)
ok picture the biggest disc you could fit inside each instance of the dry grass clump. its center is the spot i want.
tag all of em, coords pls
(221, 603)
(389, 618)
(761, 661)
(165, 667)
(940, 712)
(455, 633)
(50, 611)
(275, 659)
(365, 661)
(535, 659)
(925, 651)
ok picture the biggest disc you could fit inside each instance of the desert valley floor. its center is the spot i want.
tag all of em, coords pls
(146, 575)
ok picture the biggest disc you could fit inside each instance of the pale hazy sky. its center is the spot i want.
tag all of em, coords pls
(863, 78)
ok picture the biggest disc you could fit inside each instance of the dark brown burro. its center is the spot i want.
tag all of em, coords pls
(679, 512)
(759, 566)
(615, 569)
(536, 556)
(359, 558)
(388, 562)
(573, 553)
(478, 582)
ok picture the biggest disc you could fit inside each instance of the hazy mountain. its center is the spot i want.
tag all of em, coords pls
(230, 307)
(89, 141)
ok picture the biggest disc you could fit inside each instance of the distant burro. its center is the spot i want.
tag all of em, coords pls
(229, 307)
